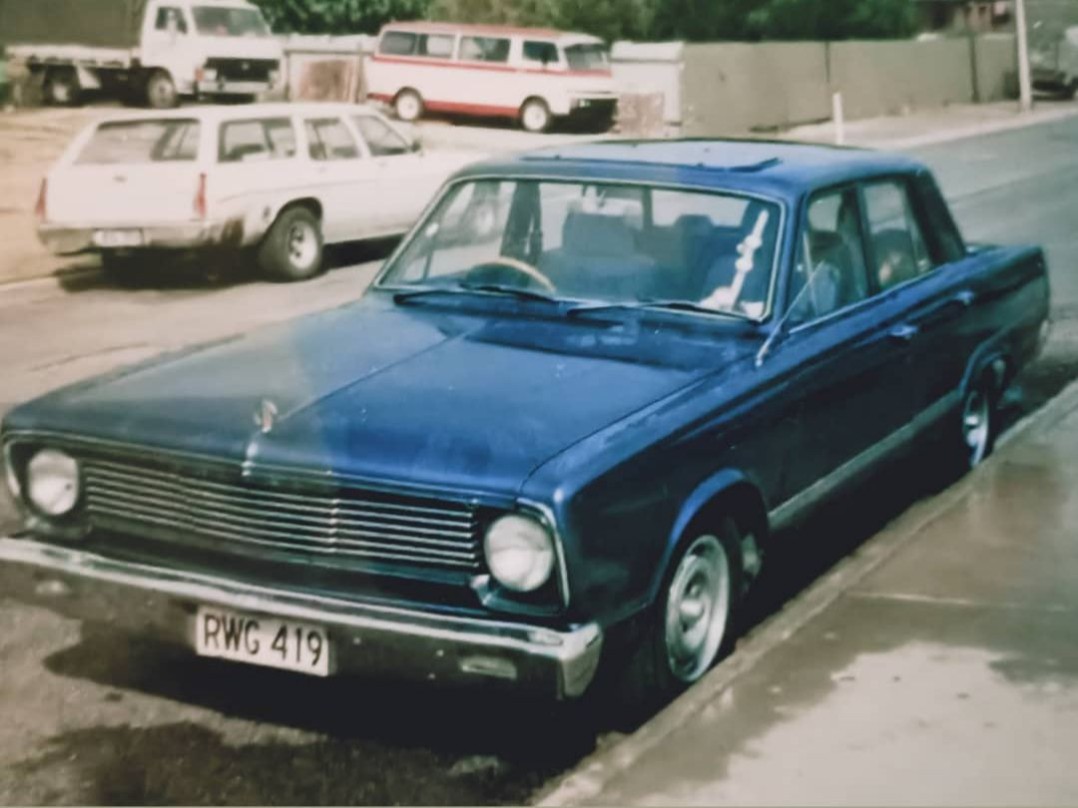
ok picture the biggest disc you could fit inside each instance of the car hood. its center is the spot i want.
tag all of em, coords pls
(416, 395)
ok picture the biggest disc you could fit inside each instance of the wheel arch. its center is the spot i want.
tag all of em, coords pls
(994, 358)
(729, 492)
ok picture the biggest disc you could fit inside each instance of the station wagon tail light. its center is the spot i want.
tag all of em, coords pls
(41, 209)
(519, 552)
(200, 197)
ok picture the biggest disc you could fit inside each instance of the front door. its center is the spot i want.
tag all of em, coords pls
(852, 374)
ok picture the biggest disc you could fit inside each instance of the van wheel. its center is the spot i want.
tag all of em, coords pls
(408, 106)
(160, 91)
(292, 249)
(692, 626)
(535, 115)
(62, 87)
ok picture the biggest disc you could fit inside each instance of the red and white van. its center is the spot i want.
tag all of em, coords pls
(533, 75)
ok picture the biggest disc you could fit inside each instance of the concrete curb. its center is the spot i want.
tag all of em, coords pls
(588, 779)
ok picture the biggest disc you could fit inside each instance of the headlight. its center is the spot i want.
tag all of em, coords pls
(52, 482)
(520, 553)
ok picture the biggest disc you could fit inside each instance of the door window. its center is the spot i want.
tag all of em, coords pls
(484, 49)
(170, 18)
(257, 139)
(329, 139)
(544, 53)
(829, 273)
(398, 43)
(898, 245)
(382, 141)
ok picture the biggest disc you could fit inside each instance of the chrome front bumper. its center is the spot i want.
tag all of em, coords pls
(163, 603)
(67, 239)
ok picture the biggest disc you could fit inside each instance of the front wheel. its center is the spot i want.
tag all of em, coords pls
(535, 115)
(292, 249)
(693, 625)
(160, 91)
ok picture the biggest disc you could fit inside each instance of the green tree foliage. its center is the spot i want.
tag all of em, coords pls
(694, 20)
(338, 16)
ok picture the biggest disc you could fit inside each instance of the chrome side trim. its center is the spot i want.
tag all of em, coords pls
(789, 510)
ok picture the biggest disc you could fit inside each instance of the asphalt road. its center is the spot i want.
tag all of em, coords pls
(94, 717)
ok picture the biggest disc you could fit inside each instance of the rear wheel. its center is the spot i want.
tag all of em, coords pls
(408, 106)
(123, 269)
(160, 91)
(693, 624)
(292, 249)
(62, 87)
(535, 115)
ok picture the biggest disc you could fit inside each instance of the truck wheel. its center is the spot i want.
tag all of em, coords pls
(535, 115)
(693, 623)
(977, 425)
(408, 106)
(292, 249)
(160, 91)
(62, 87)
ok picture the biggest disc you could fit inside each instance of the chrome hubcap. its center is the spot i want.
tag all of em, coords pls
(697, 609)
(302, 245)
(976, 425)
(407, 108)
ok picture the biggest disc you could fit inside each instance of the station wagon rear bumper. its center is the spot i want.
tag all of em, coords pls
(163, 603)
(68, 239)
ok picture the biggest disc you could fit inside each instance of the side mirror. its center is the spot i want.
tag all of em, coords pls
(416, 145)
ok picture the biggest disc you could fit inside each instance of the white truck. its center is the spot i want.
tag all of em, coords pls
(147, 51)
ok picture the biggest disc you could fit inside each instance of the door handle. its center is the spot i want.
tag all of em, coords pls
(904, 332)
(965, 298)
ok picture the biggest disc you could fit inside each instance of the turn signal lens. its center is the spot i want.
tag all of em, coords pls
(41, 208)
(200, 198)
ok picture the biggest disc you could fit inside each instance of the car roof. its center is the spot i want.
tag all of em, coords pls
(777, 168)
(208, 112)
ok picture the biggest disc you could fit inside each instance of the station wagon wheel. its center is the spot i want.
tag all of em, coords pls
(408, 106)
(161, 90)
(535, 115)
(292, 249)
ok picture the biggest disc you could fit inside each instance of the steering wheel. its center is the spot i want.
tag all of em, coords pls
(524, 268)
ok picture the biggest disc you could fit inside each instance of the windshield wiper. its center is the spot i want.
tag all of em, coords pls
(654, 305)
(403, 295)
(499, 289)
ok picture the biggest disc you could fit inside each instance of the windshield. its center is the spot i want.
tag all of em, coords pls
(159, 141)
(229, 21)
(587, 57)
(595, 242)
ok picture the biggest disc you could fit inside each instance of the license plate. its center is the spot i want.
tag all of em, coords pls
(118, 238)
(263, 641)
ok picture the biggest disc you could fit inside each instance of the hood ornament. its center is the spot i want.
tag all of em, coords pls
(266, 415)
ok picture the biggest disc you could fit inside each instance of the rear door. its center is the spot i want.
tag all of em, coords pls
(130, 173)
(346, 177)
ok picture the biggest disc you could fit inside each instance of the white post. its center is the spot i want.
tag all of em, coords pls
(839, 118)
(1025, 86)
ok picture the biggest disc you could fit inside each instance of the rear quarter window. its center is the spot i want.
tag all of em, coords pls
(148, 141)
(398, 43)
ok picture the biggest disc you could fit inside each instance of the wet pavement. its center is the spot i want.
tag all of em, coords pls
(946, 675)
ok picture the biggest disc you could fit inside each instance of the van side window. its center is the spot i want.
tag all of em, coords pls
(329, 139)
(484, 49)
(542, 52)
(436, 46)
(398, 43)
(170, 15)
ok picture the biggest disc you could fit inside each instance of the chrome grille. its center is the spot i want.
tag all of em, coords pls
(351, 524)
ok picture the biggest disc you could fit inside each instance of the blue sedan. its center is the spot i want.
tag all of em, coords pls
(561, 427)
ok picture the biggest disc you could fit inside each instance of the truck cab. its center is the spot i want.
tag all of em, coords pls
(206, 47)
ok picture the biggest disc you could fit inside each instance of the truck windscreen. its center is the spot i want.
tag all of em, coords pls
(229, 21)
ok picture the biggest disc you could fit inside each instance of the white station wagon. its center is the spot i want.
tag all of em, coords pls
(281, 179)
